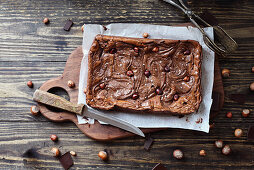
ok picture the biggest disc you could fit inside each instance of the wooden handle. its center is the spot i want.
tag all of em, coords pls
(225, 39)
(57, 102)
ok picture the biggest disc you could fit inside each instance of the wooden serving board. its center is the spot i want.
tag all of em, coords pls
(97, 131)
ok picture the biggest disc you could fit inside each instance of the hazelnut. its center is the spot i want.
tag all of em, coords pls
(55, 152)
(218, 143)
(113, 51)
(252, 86)
(73, 153)
(167, 69)
(178, 154)
(147, 73)
(102, 86)
(30, 84)
(159, 91)
(145, 34)
(176, 97)
(202, 152)
(103, 155)
(187, 52)
(229, 115)
(130, 73)
(238, 133)
(45, 20)
(155, 49)
(245, 112)
(135, 96)
(187, 78)
(226, 150)
(71, 84)
(35, 110)
(82, 28)
(252, 69)
(225, 72)
(54, 138)
(135, 49)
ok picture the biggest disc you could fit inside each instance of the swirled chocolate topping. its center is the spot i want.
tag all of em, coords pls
(156, 75)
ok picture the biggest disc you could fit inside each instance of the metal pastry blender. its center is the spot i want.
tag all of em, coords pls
(80, 109)
(225, 40)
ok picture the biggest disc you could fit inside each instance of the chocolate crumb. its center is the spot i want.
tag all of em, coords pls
(250, 135)
(68, 25)
(159, 166)
(66, 160)
(148, 142)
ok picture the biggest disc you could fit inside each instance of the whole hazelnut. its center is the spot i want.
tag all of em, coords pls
(73, 153)
(226, 150)
(45, 20)
(155, 49)
(252, 69)
(202, 152)
(71, 84)
(82, 28)
(178, 154)
(252, 86)
(225, 72)
(238, 133)
(102, 86)
(35, 110)
(218, 143)
(130, 73)
(54, 138)
(55, 152)
(187, 78)
(229, 115)
(103, 155)
(135, 96)
(245, 112)
(30, 84)
(145, 34)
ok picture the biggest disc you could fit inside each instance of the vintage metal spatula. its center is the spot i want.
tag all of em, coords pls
(80, 109)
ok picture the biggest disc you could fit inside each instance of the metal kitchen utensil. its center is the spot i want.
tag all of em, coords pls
(80, 109)
(226, 41)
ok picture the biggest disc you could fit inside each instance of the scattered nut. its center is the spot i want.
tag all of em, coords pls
(35, 110)
(103, 155)
(71, 84)
(130, 73)
(178, 154)
(55, 152)
(73, 153)
(102, 85)
(252, 69)
(30, 84)
(135, 96)
(159, 91)
(252, 86)
(82, 28)
(145, 34)
(225, 72)
(219, 143)
(226, 150)
(229, 115)
(45, 20)
(245, 112)
(238, 133)
(202, 152)
(54, 138)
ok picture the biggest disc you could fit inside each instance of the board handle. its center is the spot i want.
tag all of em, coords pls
(57, 102)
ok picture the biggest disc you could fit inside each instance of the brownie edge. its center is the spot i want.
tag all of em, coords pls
(144, 75)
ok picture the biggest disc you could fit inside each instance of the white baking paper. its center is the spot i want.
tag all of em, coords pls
(196, 121)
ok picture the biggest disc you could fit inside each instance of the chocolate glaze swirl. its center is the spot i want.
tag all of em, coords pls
(111, 57)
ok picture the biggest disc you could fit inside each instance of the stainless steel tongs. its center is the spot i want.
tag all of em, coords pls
(226, 41)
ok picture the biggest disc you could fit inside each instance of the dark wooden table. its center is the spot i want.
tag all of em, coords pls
(29, 50)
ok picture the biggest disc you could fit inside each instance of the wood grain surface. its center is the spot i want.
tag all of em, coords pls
(30, 50)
